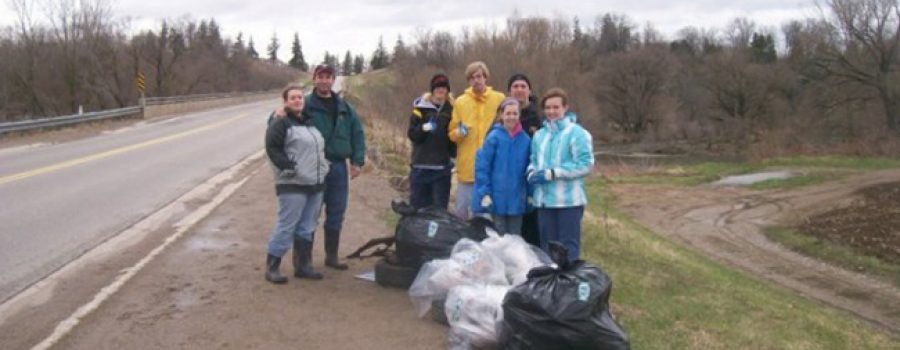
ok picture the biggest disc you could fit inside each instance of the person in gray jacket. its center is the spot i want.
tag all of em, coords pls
(296, 150)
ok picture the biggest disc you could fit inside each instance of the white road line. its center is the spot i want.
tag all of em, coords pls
(141, 228)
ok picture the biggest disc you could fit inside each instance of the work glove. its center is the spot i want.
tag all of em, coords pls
(486, 202)
(462, 130)
(287, 173)
(428, 127)
(529, 204)
(540, 177)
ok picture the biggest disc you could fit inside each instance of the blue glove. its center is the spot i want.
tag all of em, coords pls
(540, 177)
(462, 130)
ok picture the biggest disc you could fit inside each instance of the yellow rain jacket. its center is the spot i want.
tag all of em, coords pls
(477, 113)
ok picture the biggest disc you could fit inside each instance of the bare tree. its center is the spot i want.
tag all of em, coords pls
(865, 50)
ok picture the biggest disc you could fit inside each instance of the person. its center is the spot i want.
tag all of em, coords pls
(519, 86)
(432, 151)
(296, 151)
(500, 165)
(344, 139)
(561, 156)
(473, 115)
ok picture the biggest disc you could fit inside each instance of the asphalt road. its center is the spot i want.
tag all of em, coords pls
(60, 200)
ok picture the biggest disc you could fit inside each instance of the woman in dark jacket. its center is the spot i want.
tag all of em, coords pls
(296, 151)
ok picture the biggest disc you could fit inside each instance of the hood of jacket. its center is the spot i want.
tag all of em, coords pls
(480, 98)
(424, 101)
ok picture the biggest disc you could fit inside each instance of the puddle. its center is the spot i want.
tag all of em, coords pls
(749, 179)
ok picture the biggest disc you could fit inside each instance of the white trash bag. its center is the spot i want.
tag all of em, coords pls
(475, 313)
(518, 256)
(469, 263)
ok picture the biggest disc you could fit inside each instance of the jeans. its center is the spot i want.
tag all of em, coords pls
(508, 224)
(337, 190)
(464, 200)
(562, 225)
(298, 215)
(429, 187)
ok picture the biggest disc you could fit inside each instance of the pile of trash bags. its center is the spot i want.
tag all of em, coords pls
(429, 233)
(503, 293)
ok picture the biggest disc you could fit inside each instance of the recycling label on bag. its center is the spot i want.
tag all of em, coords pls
(432, 229)
(584, 291)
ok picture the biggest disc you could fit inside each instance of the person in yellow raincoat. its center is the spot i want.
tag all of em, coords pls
(473, 116)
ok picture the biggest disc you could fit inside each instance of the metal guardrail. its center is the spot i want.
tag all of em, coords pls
(155, 101)
(69, 119)
(115, 113)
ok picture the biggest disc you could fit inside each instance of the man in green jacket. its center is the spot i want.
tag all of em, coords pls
(344, 140)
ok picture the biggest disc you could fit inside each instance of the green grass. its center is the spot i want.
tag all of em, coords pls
(835, 162)
(669, 297)
(835, 254)
(690, 175)
(820, 169)
(793, 182)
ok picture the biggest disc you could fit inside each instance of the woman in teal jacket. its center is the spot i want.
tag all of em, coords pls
(561, 157)
(500, 165)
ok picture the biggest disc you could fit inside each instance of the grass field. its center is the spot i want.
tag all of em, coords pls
(669, 297)
(814, 170)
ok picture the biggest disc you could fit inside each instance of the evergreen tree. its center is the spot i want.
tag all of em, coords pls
(762, 49)
(347, 66)
(239, 43)
(359, 64)
(379, 57)
(400, 51)
(273, 48)
(297, 60)
(252, 50)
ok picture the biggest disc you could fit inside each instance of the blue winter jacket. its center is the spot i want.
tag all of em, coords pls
(567, 148)
(500, 167)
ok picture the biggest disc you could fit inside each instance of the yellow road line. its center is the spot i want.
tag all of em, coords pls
(110, 153)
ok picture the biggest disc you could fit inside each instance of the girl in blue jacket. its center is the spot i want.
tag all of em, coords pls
(561, 157)
(500, 165)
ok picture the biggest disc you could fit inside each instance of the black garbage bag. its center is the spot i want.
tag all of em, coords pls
(562, 308)
(430, 233)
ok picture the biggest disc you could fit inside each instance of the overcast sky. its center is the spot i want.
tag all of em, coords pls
(355, 25)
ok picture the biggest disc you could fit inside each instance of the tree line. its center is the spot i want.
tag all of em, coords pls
(66, 54)
(833, 85)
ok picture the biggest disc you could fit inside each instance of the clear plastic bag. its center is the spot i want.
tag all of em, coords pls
(469, 264)
(518, 256)
(475, 314)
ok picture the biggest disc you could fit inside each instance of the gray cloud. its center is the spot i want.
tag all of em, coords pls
(340, 25)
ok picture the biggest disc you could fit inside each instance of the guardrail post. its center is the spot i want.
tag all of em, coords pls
(143, 103)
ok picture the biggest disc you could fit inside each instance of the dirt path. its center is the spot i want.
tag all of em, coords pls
(207, 291)
(725, 223)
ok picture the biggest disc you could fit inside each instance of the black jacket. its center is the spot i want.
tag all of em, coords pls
(530, 117)
(431, 150)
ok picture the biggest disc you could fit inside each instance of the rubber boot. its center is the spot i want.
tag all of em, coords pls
(303, 260)
(332, 241)
(272, 273)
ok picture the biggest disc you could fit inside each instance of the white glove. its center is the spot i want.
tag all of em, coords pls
(486, 201)
(427, 127)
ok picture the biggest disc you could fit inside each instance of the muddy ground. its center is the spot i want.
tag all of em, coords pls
(870, 224)
(726, 223)
(207, 291)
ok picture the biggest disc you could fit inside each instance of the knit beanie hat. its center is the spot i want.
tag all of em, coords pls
(518, 76)
(439, 80)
